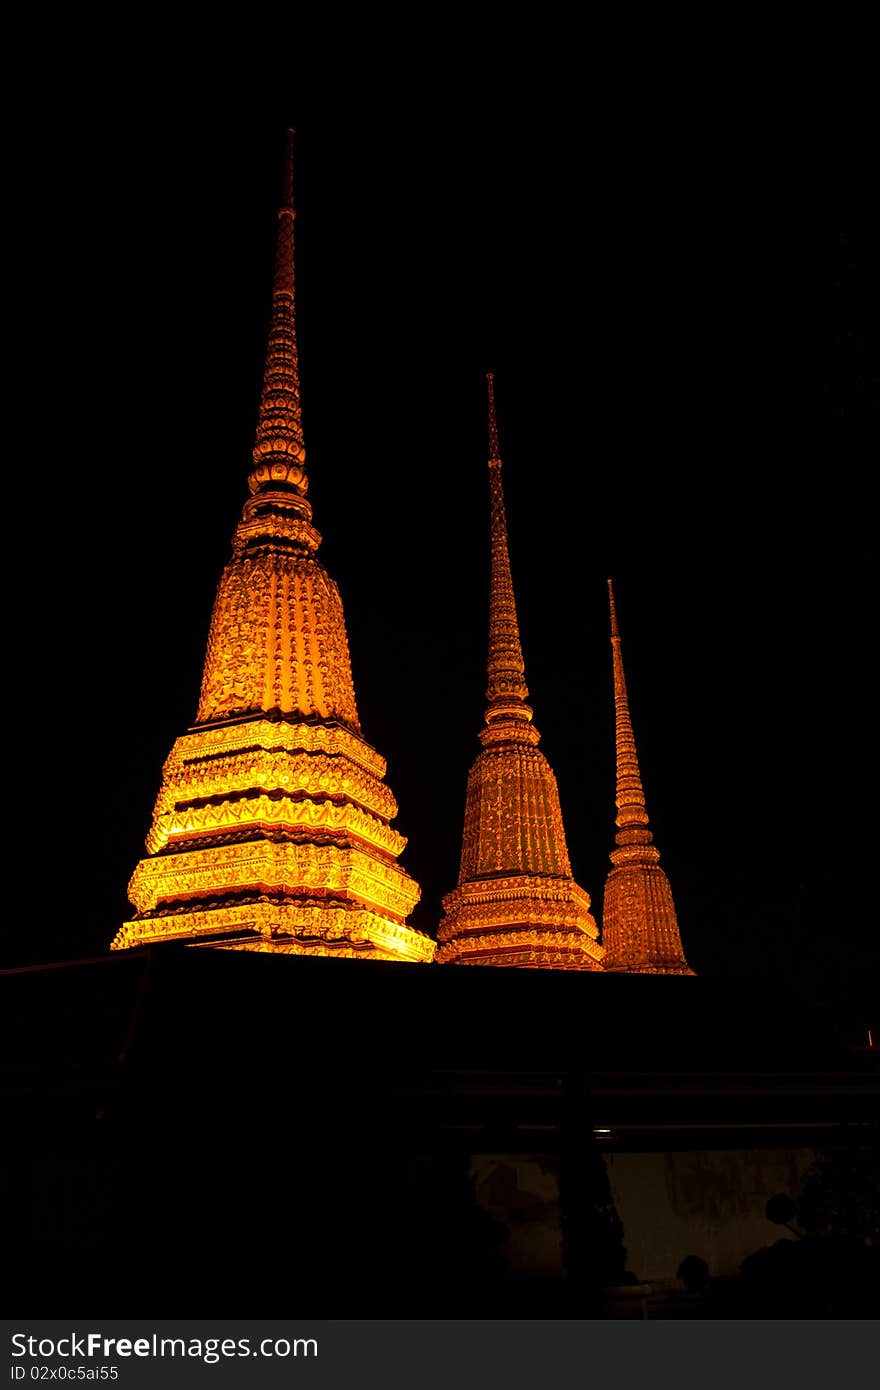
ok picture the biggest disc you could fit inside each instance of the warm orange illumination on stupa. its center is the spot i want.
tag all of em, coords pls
(272, 829)
(639, 927)
(516, 902)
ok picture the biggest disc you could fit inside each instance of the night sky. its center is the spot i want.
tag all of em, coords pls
(687, 399)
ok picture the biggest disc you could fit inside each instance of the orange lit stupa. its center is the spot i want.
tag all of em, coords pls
(272, 829)
(516, 902)
(639, 927)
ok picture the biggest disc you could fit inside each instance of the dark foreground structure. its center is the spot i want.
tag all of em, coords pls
(195, 1133)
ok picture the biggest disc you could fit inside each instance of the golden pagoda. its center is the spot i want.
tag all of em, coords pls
(639, 927)
(516, 902)
(272, 829)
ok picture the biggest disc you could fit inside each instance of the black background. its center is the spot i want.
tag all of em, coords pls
(687, 396)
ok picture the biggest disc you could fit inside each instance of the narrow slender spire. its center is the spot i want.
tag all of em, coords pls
(279, 449)
(640, 928)
(287, 184)
(632, 815)
(615, 635)
(507, 690)
(494, 450)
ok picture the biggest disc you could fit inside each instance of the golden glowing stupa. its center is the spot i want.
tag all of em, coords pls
(272, 829)
(639, 926)
(516, 902)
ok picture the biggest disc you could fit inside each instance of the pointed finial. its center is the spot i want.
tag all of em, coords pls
(279, 449)
(287, 192)
(494, 451)
(615, 635)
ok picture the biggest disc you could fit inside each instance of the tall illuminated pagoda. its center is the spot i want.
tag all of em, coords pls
(516, 902)
(639, 926)
(272, 829)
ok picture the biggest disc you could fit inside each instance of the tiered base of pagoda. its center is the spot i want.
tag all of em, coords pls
(269, 892)
(273, 835)
(285, 928)
(641, 932)
(526, 921)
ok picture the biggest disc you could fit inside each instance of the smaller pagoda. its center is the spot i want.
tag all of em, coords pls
(516, 902)
(640, 928)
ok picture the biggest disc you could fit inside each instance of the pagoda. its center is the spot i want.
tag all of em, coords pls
(639, 926)
(516, 902)
(272, 830)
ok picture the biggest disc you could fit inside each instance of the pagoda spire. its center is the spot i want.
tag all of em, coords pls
(632, 815)
(640, 928)
(516, 902)
(272, 829)
(279, 454)
(507, 690)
